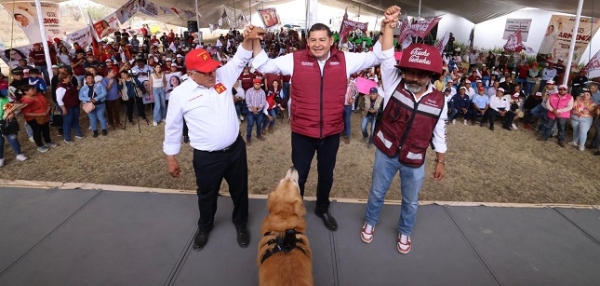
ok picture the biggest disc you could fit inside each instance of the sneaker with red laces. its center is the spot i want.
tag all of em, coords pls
(366, 235)
(403, 244)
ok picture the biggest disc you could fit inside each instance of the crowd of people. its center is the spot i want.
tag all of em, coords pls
(185, 81)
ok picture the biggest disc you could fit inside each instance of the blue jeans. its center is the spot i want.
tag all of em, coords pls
(71, 120)
(411, 180)
(529, 88)
(347, 123)
(251, 119)
(451, 112)
(80, 79)
(542, 114)
(369, 118)
(29, 130)
(160, 105)
(560, 122)
(14, 143)
(581, 126)
(265, 120)
(98, 115)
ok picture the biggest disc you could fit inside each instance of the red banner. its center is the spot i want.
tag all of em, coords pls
(419, 29)
(514, 44)
(593, 66)
(441, 43)
(269, 17)
(349, 26)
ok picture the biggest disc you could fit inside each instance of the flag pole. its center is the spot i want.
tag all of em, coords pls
(573, 40)
(38, 7)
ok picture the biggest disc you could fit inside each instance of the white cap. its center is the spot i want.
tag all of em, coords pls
(563, 86)
(501, 89)
(179, 56)
(168, 59)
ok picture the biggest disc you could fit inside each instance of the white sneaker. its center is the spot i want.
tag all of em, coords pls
(581, 148)
(154, 123)
(53, 145)
(514, 126)
(366, 235)
(572, 143)
(465, 122)
(241, 118)
(1, 162)
(453, 121)
(31, 139)
(80, 137)
(42, 149)
(21, 157)
(403, 244)
(68, 141)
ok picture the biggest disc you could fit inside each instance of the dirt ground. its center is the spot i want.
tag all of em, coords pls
(482, 166)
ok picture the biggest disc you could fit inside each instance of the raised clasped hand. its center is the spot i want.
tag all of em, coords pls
(391, 15)
(252, 32)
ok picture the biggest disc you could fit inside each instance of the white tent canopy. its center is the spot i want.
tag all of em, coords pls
(476, 11)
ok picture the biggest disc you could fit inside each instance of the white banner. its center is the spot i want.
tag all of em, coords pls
(26, 17)
(512, 25)
(83, 37)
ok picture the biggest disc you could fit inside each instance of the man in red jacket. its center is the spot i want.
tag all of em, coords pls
(319, 76)
(414, 117)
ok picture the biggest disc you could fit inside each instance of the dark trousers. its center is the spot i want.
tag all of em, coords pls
(39, 131)
(303, 151)
(491, 115)
(185, 129)
(210, 169)
(596, 141)
(138, 104)
(113, 108)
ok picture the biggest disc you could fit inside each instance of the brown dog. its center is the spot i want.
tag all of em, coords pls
(284, 256)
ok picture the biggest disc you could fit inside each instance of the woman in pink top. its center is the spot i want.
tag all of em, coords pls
(581, 118)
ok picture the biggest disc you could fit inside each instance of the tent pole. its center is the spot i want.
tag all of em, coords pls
(197, 17)
(250, 10)
(419, 9)
(38, 7)
(587, 74)
(573, 40)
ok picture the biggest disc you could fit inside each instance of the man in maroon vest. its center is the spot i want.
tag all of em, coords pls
(319, 76)
(414, 117)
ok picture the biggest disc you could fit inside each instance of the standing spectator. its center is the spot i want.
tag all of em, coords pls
(351, 94)
(490, 60)
(559, 107)
(255, 99)
(37, 115)
(548, 73)
(373, 103)
(158, 83)
(319, 75)
(37, 80)
(128, 86)
(77, 66)
(402, 143)
(532, 75)
(581, 118)
(113, 106)
(578, 83)
(67, 99)
(95, 93)
(10, 135)
(596, 99)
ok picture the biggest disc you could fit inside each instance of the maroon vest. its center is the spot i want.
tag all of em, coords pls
(318, 101)
(404, 132)
(71, 98)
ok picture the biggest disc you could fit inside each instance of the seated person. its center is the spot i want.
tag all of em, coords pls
(481, 103)
(499, 106)
(530, 103)
(462, 102)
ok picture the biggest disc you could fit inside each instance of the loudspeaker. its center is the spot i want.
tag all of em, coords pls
(186, 34)
(192, 26)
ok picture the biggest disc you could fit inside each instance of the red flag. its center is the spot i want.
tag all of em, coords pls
(514, 44)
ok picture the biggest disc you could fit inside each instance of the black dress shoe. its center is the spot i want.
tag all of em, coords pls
(200, 240)
(597, 153)
(328, 220)
(243, 237)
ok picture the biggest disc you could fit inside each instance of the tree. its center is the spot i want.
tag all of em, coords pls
(72, 10)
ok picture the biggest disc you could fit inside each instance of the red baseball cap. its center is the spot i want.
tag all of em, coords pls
(422, 57)
(257, 80)
(200, 60)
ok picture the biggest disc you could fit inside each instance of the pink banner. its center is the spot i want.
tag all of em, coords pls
(364, 85)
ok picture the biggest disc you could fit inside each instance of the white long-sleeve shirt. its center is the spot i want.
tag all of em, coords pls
(497, 103)
(210, 115)
(285, 64)
(548, 74)
(60, 94)
(391, 78)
